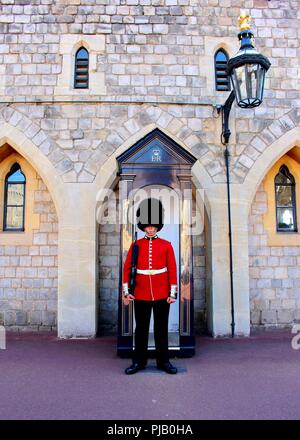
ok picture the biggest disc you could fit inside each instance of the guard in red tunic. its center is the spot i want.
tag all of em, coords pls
(155, 286)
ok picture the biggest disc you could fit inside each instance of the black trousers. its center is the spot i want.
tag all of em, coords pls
(142, 310)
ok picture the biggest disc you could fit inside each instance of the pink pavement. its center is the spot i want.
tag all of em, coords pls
(43, 377)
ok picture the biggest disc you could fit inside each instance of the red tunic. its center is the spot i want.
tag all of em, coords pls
(154, 253)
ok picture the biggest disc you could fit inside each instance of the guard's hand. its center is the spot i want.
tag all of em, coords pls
(127, 299)
(171, 300)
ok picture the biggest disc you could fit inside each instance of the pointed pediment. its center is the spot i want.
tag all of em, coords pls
(156, 149)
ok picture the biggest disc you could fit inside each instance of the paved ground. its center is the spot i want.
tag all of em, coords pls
(253, 378)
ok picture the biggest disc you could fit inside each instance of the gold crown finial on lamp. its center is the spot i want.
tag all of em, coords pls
(244, 21)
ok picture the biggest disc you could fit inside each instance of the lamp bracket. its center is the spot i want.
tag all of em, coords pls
(225, 118)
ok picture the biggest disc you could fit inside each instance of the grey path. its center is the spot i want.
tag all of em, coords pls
(254, 378)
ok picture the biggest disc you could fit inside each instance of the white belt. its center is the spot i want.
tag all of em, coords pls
(151, 271)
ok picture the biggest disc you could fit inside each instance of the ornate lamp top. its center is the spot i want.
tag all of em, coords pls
(248, 66)
(244, 21)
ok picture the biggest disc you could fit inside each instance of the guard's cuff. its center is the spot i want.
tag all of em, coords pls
(125, 289)
(173, 291)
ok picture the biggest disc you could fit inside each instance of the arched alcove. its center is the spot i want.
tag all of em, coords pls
(30, 254)
(108, 247)
(274, 251)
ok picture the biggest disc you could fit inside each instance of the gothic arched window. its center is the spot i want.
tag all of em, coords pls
(222, 79)
(81, 73)
(285, 195)
(14, 199)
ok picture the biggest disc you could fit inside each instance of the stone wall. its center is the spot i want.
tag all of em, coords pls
(274, 273)
(152, 47)
(154, 64)
(109, 261)
(199, 272)
(151, 52)
(28, 274)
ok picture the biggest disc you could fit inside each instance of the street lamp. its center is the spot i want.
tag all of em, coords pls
(247, 71)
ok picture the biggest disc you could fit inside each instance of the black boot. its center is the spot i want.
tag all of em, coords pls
(167, 367)
(134, 368)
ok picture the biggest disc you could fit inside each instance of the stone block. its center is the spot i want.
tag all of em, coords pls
(276, 283)
(48, 318)
(285, 316)
(35, 317)
(293, 272)
(21, 317)
(268, 317)
(9, 318)
(255, 317)
(263, 283)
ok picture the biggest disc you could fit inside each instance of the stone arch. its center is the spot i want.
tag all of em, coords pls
(41, 226)
(109, 239)
(278, 135)
(271, 262)
(225, 46)
(132, 125)
(30, 151)
(18, 123)
(266, 160)
(272, 146)
(79, 44)
(107, 173)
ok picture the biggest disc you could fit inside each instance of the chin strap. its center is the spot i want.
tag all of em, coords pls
(148, 237)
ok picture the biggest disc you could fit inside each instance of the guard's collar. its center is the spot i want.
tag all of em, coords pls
(148, 238)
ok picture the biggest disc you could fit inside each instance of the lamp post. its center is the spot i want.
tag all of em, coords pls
(247, 71)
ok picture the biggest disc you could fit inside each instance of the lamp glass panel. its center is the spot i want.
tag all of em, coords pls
(248, 83)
